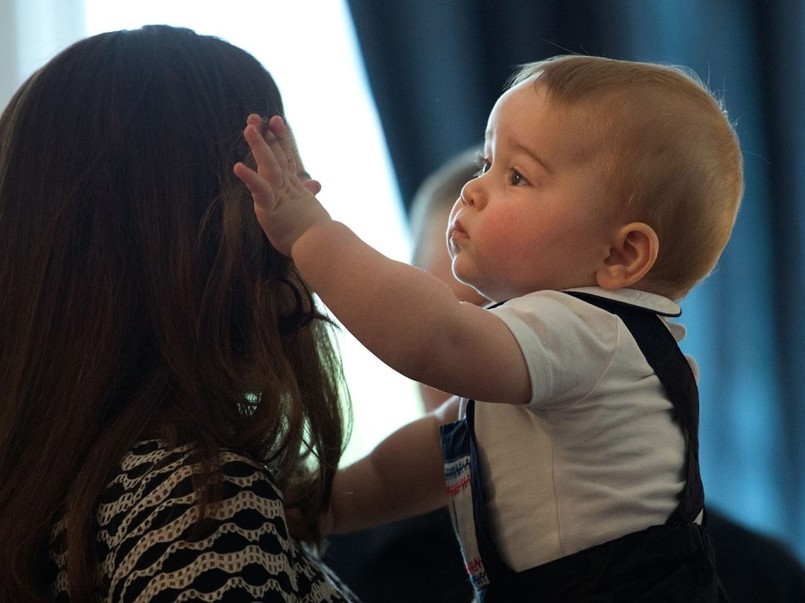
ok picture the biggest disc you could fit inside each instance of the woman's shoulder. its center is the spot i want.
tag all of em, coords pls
(153, 474)
(154, 490)
(150, 543)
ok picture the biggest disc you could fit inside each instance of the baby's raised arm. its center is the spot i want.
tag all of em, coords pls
(403, 315)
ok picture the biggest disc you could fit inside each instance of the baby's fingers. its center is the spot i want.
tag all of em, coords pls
(266, 151)
(279, 129)
(261, 192)
(269, 175)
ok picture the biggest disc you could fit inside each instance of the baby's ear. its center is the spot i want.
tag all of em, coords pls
(632, 253)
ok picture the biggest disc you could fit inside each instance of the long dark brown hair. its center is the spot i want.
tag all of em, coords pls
(138, 295)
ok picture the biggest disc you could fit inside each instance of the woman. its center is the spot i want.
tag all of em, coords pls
(165, 373)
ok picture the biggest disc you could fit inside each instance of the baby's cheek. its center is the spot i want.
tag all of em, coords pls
(505, 235)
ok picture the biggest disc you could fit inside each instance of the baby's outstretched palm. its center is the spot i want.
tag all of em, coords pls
(284, 201)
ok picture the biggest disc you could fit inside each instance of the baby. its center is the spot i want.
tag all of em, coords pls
(570, 450)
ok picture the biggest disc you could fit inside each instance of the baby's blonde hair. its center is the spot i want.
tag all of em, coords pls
(667, 151)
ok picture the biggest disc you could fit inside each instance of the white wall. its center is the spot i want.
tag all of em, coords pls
(31, 32)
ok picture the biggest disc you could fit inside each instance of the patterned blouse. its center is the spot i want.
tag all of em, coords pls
(148, 552)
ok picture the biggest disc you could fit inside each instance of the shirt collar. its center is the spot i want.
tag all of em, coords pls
(642, 299)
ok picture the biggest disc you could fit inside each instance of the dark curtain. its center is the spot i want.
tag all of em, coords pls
(435, 68)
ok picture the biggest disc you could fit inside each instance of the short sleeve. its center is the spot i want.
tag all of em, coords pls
(567, 344)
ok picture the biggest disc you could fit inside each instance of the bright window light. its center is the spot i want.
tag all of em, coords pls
(309, 47)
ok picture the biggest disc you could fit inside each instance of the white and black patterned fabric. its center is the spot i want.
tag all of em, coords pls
(148, 551)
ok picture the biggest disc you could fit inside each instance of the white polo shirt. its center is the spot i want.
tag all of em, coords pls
(595, 454)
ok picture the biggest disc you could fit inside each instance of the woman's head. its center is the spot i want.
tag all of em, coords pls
(666, 150)
(138, 288)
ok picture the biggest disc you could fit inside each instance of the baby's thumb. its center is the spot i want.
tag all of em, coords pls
(314, 186)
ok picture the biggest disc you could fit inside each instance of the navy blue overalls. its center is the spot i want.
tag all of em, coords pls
(670, 562)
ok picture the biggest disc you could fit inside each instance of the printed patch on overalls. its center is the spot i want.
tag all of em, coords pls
(459, 489)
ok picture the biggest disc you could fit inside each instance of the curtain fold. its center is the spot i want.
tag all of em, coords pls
(436, 68)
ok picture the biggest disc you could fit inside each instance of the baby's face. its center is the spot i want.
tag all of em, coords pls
(537, 217)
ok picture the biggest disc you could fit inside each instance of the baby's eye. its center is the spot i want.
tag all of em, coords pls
(516, 178)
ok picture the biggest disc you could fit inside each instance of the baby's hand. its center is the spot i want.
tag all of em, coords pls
(284, 200)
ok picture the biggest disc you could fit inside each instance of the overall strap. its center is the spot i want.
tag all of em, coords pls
(673, 370)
